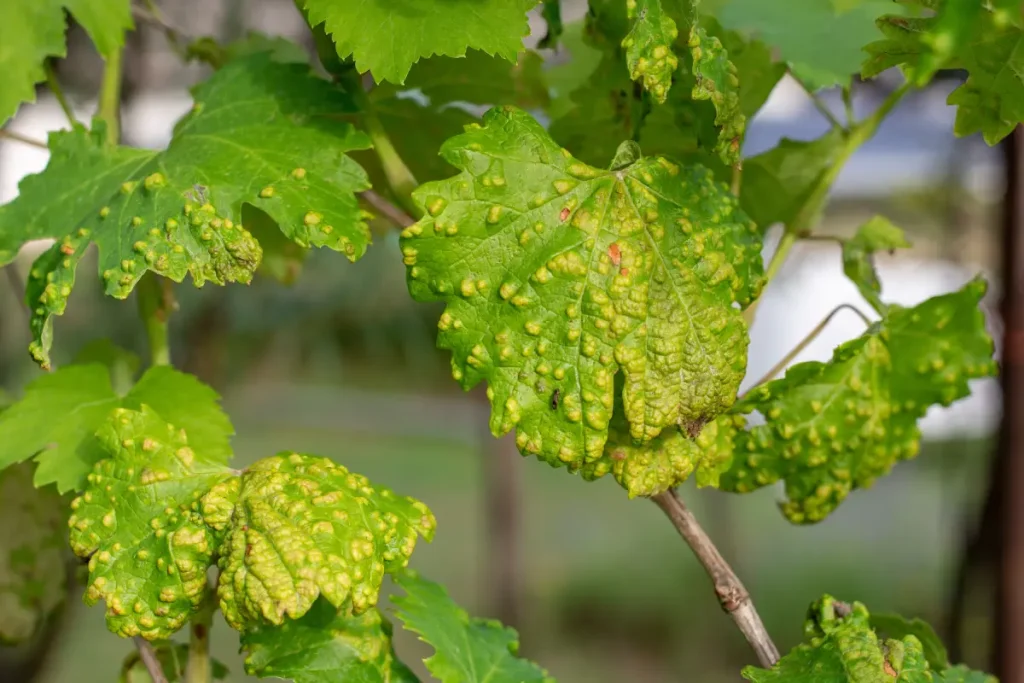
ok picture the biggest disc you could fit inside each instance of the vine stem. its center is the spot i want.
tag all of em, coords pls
(803, 344)
(25, 140)
(198, 669)
(149, 659)
(110, 98)
(732, 595)
(809, 213)
(156, 302)
(58, 92)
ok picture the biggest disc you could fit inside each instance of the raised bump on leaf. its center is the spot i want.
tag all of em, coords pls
(649, 54)
(558, 275)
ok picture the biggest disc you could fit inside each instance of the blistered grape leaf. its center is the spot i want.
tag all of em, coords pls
(841, 647)
(33, 572)
(326, 646)
(648, 44)
(467, 650)
(58, 416)
(821, 40)
(387, 38)
(878, 234)
(32, 30)
(836, 426)
(299, 526)
(778, 185)
(898, 627)
(138, 524)
(173, 659)
(717, 81)
(558, 275)
(178, 211)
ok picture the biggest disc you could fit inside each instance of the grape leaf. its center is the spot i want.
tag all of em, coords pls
(387, 38)
(902, 45)
(33, 572)
(648, 44)
(177, 212)
(551, 11)
(467, 650)
(878, 234)
(779, 184)
(898, 627)
(58, 417)
(557, 275)
(821, 41)
(147, 545)
(836, 426)
(173, 659)
(325, 646)
(841, 646)
(32, 30)
(717, 81)
(298, 526)
(992, 100)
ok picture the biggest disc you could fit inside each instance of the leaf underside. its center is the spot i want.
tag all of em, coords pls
(558, 276)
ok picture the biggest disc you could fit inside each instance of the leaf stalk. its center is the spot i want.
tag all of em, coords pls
(110, 98)
(198, 669)
(58, 92)
(149, 660)
(156, 302)
(732, 595)
(25, 140)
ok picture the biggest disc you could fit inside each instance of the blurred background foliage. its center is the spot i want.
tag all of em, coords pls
(342, 363)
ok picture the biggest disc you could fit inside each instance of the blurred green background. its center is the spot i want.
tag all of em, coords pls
(342, 363)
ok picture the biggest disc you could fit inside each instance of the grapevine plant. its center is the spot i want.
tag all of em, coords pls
(599, 272)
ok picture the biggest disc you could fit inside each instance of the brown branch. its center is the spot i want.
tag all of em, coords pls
(23, 139)
(149, 659)
(387, 209)
(732, 596)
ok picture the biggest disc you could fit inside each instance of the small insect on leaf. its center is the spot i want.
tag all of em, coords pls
(554, 399)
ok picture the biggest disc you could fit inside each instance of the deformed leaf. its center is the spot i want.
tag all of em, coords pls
(841, 646)
(649, 54)
(173, 659)
(326, 646)
(138, 524)
(836, 426)
(558, 275)
(467, 650)
(898, 627)
(33, 572)
(779, 184)
(32, 30)
(716, 80)
(299, 526)
(387, 38)
(878, 234)
(178, 211)
(58, 416)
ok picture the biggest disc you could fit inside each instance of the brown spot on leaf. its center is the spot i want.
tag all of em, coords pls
(615, 253)
(564, 215)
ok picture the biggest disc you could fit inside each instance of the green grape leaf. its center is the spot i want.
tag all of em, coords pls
(878, 234)
(841, 646)
(467, 650)
(780, 184)
(898, 627)
(648, 44)
(298, 526)
(178, 211)
(326, 646)
(551, 12)
(902, 45)
(821, 40)
(173, 659)
(836, 426)
(123, 365)
(717, 81)
(33, 571)
(387, 38)
(558, 275)
(58, 416)
(32, 30)
(992, 100)
(137, 523)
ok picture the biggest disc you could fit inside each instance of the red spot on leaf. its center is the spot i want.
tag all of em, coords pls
(618, 454)
(565, 214)
(624, 272)
(67, 249)
(615, 253)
